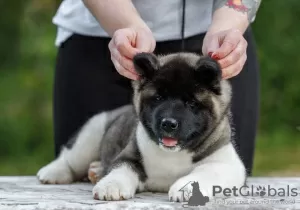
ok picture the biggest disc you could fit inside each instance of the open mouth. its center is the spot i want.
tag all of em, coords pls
(169, 142)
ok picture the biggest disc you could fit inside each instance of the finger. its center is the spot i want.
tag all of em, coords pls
(122, 64)
(234, 56)
(211, 47)
(123, 45)
(144, 42)
(153, 45)
(234, 69)
(123, 61)
(228, 44)
(123, 71)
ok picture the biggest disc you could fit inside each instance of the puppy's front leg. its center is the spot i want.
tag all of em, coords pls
(222, 168)
(121, 183)
(125, 176)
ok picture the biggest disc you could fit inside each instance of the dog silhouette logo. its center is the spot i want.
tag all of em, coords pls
(195, 196)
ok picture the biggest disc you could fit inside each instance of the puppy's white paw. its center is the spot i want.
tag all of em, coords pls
(185, 187)
(114, 188)
(56, 172)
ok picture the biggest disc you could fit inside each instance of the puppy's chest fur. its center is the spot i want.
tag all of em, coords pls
(163, 168)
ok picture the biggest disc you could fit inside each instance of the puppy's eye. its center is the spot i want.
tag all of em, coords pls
(158, 97)
(191, 103)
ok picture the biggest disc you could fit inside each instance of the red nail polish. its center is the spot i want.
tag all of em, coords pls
(215, 57)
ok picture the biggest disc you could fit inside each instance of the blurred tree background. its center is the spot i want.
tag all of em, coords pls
(27, 55)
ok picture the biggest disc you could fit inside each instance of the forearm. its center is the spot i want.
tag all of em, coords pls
(233, 14)
(115, 14)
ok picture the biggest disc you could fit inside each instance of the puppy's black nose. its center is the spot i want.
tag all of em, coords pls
(169, 124)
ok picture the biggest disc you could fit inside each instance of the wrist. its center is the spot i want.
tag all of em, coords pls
(134, 23)
(226, 19)
(139, 25)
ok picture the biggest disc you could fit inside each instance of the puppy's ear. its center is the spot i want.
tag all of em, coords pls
(208, 73)
(146, 64)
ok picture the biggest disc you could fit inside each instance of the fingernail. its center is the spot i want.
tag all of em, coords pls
(214, 56)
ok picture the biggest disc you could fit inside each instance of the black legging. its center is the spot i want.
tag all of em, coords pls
(87, 83)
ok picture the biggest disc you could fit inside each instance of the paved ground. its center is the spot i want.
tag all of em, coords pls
(27, 193)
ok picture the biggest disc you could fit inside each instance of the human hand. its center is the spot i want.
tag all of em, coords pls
(228, 48)
(125, 44)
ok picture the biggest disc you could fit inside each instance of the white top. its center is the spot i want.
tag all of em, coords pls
(162, 16)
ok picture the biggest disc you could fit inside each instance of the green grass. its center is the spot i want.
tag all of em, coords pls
(277, 154)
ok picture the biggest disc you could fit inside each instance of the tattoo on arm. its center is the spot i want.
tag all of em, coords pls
(245, 6)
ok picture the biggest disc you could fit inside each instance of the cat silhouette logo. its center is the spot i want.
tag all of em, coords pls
(193, 196)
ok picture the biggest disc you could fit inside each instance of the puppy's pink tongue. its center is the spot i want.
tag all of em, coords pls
(169, 142)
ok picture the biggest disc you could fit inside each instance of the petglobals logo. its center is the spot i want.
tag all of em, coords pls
(247, 194)
(267, 191)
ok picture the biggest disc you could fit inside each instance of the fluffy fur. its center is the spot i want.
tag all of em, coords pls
(181, 99)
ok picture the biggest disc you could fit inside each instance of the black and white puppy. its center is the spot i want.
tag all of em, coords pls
(176, 131)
